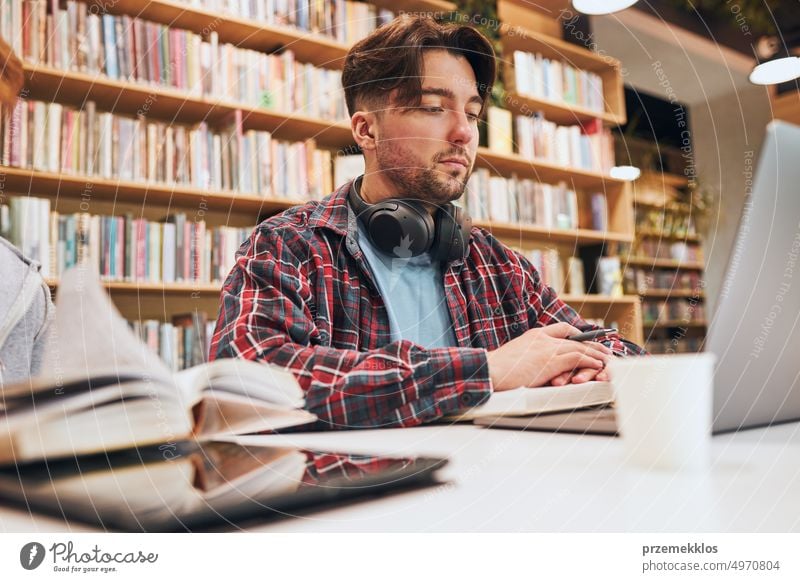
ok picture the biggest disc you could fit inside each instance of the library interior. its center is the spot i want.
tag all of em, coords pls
(261, 257)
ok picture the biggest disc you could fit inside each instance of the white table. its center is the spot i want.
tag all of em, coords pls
(503, 480)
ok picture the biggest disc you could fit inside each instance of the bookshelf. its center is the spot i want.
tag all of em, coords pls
(786, 106)
(154, 200)
(665, 265)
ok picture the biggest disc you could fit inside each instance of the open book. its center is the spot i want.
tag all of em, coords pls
(526, 401)
(102, 389)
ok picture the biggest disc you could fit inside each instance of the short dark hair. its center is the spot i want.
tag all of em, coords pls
(391, 58)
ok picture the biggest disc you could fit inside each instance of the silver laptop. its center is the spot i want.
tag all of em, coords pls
(755, 332)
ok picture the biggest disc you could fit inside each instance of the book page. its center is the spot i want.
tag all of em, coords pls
(90, 337)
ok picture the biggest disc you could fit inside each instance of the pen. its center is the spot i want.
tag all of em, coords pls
(590, 335)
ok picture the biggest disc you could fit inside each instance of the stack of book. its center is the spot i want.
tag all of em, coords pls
(343, 20)
(80, 39)
(56, 138)
(553, 80)
(525, 201)
(121, 248)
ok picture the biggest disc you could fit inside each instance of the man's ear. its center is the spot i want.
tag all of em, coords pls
(364, 125)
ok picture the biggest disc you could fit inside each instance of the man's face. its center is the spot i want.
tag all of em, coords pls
(428, 151)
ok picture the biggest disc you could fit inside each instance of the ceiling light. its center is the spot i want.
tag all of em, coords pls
(776, 71)
(627, 173)
(601, 6)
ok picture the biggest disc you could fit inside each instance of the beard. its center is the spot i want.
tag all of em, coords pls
(414, 180)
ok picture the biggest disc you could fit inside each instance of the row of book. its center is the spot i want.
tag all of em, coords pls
(570, 276)
(589, 146)
(687, 252)
(78, 38)
(676, 344)
(641, 280)
(343, 20)
(56, 138)
(673, 310)
(121, 248)
(525, 201)
(666, 223)
(181, 343)
(551, 79)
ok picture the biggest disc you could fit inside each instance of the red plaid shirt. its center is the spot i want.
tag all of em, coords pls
(301, 295)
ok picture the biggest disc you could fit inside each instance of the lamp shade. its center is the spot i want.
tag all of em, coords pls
(776, 71)
(597, 7)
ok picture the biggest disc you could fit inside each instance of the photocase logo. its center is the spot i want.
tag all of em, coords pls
(403, 250)
(31, 555)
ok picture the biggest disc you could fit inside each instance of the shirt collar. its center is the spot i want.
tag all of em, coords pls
(334, 213)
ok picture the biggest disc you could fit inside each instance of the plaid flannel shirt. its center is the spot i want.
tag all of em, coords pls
(301, 295)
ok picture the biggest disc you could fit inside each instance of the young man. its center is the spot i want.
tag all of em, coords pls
(390, 309)
(26, 310)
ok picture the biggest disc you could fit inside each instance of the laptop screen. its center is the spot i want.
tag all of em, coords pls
(755, 332)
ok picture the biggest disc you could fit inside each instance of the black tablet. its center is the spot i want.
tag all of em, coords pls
(205, 487)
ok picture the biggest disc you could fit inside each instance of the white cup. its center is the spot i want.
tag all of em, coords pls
(664, 409)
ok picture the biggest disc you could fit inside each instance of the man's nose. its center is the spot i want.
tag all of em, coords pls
(461, 131)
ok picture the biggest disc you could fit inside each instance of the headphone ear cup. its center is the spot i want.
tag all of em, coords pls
(451, 238)
(400, 228)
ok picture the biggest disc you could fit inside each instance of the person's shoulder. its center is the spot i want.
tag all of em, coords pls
(294, 219)
(10, 254)
(485, 242)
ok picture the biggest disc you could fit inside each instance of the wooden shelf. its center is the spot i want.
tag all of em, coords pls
(665, 178)
(673, 293)
(786, 106)
(36, 182)
(417, 5)
(663, 263)
(678, 207)
(544, 171)
(664, 235)
(675, 323)
(528, 232)
(318, 49)
(599, 299)
(151, 287)
(173, 105)
(519, 39)
(557, 112)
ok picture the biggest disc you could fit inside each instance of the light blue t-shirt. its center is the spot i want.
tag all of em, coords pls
(413, 291)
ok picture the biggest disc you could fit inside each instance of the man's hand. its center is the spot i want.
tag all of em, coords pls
(581, 376)
(543, 354)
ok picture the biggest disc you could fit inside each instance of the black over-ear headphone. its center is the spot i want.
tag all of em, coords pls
(404, 228)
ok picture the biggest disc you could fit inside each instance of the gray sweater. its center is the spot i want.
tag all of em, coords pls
(21, 352)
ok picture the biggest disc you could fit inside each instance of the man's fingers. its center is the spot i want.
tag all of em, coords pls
(560, 330)
(586, 375)
(562, 379)
(575, 360)
(593, 349)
